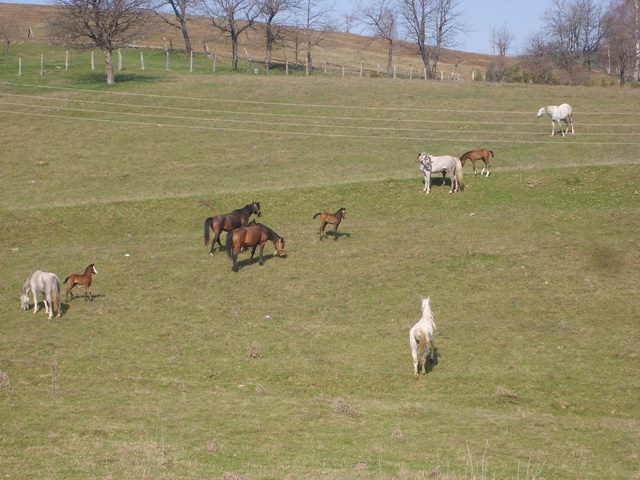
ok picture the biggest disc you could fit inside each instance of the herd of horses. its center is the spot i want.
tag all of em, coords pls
(242, 233)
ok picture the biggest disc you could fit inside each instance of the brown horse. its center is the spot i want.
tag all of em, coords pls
(251, 236)
(229, 221)
(84, 279)
(331, 218)
(473, 155)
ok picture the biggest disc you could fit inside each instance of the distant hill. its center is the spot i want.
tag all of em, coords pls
(337, 49)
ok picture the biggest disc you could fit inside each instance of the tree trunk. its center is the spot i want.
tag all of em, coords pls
(187, 40)
(234, 50)
(636, 67)
(108, 61)
(390, 58)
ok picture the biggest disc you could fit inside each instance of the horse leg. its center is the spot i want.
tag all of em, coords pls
(216, 239)
(323, 234)
(427, 182)
(90, 294)
(261, 251)
(234, 258)
(335, 232)
(570, 117)
(69, 288)
(473, 162)
(553, 128)
(253, 251)
(414, 354)
(35, 301)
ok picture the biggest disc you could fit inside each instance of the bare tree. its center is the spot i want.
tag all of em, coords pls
(434, 24)
(232, 18)
(108, 24)
(381, 19)
(620, 40)
(447, 24)
(270, 9)
(417, 16)
(8, 33)
(501, 40)
(636, 37)
(179, 9)
(577, 28)
(316, 24)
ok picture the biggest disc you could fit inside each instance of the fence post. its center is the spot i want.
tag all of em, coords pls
(473, 75)
(441, 75)
(66, 60)
(141, 60)
(411, 73)
(191, 62)
(41, 64)
(19, 66)
(167, 63)
(215, 57)
(325, 67)
(286, 67)
(343, 71)
(425, 73)
(394, 72)
(361, 70)
(119, 60)
(93, 63)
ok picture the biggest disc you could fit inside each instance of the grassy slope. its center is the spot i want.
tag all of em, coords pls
(532, 275)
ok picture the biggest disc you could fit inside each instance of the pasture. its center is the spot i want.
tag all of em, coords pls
(301, 368)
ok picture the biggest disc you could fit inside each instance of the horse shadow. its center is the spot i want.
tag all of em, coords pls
(248, 261)
(428, 368)
(337, 235)
(80, 296)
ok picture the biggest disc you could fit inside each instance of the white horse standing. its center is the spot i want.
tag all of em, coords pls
(421, 339)
(558, 114)
(49, 285)
(446, 163)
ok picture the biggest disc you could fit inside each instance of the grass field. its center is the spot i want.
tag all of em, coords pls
(301, 368)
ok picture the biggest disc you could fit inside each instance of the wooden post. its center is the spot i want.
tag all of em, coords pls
(411, 73)
(394, 72)
(141, 60)
(66, 60)
(191, 62)
(361, 70)
(19, 66)
(93, 63)
(167, 63)
(425, 73)
(343, 71)
(119, 60)
(286, 67)
(41, 64)
(215, 58)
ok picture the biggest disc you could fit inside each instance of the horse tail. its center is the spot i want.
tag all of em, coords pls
(55, 296)
(208, 224)
(65, 280)
(229, 244)
(316, 215)
(491, 152)
(459, 175)
(423, 342)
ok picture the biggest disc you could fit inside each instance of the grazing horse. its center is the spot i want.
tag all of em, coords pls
(446, 163)
(473, 155)
(229, 221)
(81, 279)
(558, 113)
(421, 339)
(49, 285)
(251, 236)
(330, 218)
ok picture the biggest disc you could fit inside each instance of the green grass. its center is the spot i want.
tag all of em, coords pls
(301, 368)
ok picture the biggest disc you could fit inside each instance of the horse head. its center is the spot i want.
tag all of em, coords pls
(255, 208)
(427, 165)
(279, 244)
(542, 111)
(24, 300)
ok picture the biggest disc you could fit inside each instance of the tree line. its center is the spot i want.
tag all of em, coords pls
(577, 36)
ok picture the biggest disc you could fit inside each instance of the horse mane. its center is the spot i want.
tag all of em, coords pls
(427, 314)
(466, 153)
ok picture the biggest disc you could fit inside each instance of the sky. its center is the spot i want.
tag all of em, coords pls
(522, 17)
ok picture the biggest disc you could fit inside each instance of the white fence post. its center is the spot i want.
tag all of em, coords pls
(41, 64)
(141, 60)
(119, 60)
(19, 66)
(66, 60)
(215, 58)
(167, 63)
(93, 63)
(191, 62)
(286, 67)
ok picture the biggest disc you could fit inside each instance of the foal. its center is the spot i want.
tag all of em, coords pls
(333, 219)
(421, 339)
(84, 279)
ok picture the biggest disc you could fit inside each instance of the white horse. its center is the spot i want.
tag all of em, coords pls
(49, 285)
(430, 164)
(558, 114)
(421, 339)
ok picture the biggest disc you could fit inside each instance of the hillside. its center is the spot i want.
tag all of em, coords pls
(336, 49)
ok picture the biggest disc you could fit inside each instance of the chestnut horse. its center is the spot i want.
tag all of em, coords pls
(481, 154)
(251, 236)
(229, 221)
(331, 218)
(78, 279)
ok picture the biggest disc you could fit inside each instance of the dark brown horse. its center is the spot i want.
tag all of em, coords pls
(330, 218)
(473, 155)
(78, 279)
(251, 236)
(229, 221)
